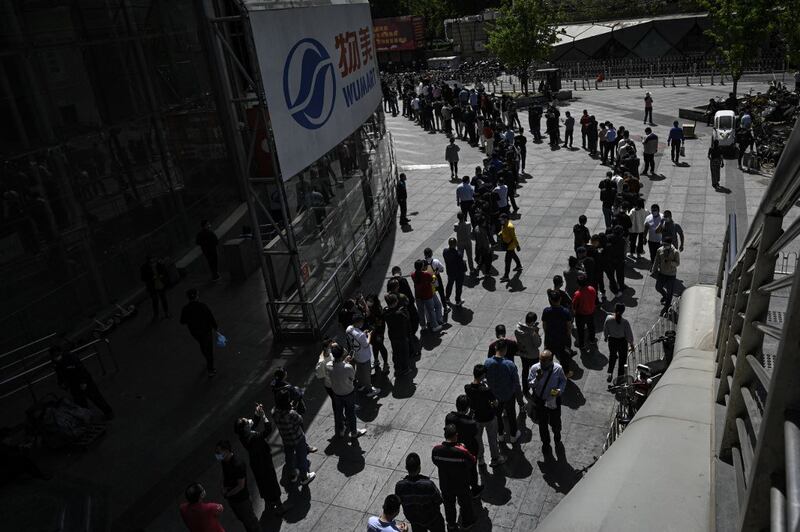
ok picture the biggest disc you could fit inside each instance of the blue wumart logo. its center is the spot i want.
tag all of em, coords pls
(309, 84)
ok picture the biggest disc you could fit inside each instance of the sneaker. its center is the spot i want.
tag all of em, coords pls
(459, 302)
(309, 477)
(518, 269)
(373, 392)
(436, 329)
(500, 460)
(608, 379)
(570, 373)
(501, 438)
(515, 437)
(386, 370)
(504, 278)
(312, 449)
(358, 433)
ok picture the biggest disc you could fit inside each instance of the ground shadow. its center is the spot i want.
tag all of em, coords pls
(656, 177)
(573, 397)
(559, 474)
(298, 503)
(494, 487)
(593, 359)
(430, 340)
(517, 465)
(630, 270)
(515, 284)
(683, 165)
(488, 283)
(462, 315)
(404, 387)
(349, 452)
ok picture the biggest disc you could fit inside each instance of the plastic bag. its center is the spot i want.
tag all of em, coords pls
(222, 340)
(683, 151)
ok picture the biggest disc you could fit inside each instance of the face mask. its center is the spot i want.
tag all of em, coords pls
(219, 456)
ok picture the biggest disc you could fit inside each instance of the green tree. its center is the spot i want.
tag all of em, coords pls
(788, 23)
(738, 28)
(524, 32)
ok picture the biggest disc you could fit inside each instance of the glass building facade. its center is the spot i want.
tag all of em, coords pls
(114, 146)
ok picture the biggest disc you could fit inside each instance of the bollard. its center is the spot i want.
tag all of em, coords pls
(627, 85)
(712, 77)
(700, 80)
(721, 79)
(664, 81)
(595, 85)
(673, 80)
(687, 80)
(640, 83)
(618, 84)
(575, 85)
(513, 88)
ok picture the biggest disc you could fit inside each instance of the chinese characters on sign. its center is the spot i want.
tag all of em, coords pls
(399, 33)
(354, 50)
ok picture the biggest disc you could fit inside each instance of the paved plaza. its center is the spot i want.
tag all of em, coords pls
(169, 416)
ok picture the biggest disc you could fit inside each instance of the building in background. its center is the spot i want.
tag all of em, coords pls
(399, 41)
(120, 133)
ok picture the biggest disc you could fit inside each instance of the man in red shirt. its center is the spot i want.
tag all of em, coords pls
(428, 305)
(583, 306)
(198, 515)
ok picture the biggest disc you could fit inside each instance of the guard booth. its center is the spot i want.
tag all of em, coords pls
(550, 80)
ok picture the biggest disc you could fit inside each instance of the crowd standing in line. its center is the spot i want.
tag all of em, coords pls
(419, 305)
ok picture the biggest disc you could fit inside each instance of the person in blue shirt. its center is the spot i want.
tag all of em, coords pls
(675, 140)
(547, 383)
(503, 381)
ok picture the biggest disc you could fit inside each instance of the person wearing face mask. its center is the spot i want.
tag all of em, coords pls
(234, 486)
(258, 449)
(548, 382)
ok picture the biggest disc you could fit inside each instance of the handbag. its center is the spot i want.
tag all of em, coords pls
(536, 400)
(683, 151)
(222, 340)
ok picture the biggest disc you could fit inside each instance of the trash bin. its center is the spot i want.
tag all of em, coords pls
(240, 258)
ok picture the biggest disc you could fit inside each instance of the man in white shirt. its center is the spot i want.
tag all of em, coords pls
(651, 236)
(342, 376)
(359, 343)
(465, 197)
(501, 194)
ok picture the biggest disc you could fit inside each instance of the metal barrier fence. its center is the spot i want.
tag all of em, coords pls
(23, 370)
(758, 357)
(645, 352)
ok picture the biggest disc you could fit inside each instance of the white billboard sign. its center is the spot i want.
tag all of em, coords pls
(320, 76)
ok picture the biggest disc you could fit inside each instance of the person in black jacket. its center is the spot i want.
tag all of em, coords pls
(402, 197)
(201, 324)
(614, 253)
(398, 326)
(255, 441)
(456, 269)
(420, 498)
(72, 375)
(156, 279)
(483, 405)
(455, 465)
(467, 436)
(207, 240)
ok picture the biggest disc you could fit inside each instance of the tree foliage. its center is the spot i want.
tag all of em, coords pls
(524, 32)
(788, 24)
(739, 28)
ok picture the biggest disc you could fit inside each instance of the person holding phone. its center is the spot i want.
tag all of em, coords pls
(548, 382)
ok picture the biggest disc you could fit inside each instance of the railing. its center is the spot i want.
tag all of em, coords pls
(645, 352)
(758, 358)
(20, 370)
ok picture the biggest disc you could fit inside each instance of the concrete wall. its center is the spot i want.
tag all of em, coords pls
(658, 474)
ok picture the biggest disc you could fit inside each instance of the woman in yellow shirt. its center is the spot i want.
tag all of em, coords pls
(508, 237)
